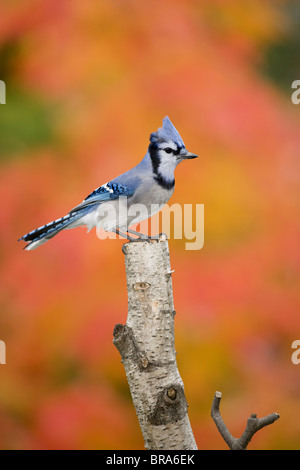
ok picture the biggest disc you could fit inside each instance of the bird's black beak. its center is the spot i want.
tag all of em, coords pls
(185, 155)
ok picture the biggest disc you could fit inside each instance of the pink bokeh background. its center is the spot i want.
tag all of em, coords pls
(101, 76)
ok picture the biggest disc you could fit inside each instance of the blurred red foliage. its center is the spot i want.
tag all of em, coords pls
(109, 72)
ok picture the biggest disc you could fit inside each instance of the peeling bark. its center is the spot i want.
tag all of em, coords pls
(146, 345)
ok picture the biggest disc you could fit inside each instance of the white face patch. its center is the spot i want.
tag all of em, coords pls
(167, 165)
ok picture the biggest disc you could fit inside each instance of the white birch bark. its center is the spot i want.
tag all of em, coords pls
(146, 345)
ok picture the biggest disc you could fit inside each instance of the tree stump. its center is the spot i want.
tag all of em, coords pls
(147, 347)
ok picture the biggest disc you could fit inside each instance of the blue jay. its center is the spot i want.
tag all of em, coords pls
(150, 183)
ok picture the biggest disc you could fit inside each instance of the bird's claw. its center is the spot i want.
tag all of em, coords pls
(159, 237)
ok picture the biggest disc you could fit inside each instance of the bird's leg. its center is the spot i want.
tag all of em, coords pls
(158, 237)
(124, 235)
(147, 237)
(140, 235)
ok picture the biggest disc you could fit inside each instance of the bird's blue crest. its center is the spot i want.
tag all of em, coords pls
(165, 133)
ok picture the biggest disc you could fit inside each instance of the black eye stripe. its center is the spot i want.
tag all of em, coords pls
(170, 150)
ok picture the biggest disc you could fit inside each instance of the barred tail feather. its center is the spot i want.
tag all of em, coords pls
(42, 234)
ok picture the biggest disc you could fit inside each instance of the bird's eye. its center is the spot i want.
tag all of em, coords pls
(168, 150)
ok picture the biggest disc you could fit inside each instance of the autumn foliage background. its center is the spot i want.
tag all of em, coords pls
(86, 84)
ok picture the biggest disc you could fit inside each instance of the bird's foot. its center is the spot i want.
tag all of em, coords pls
(141, 237)
(159, 238)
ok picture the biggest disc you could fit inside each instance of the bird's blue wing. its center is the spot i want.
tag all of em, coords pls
(104, 193)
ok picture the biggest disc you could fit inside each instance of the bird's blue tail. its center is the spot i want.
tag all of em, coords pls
(42, 234)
